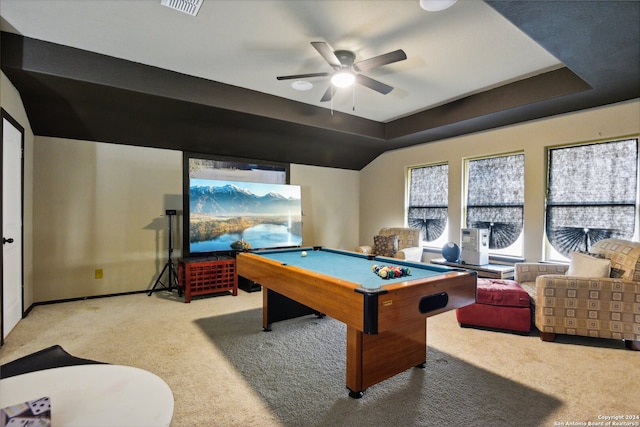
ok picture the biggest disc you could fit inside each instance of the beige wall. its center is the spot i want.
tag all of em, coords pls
(12, 103)
(100, 206)
(382, 182)
(330, 206)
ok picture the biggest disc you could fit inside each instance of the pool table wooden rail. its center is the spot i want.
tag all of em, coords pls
(343, 300)
(325, 294)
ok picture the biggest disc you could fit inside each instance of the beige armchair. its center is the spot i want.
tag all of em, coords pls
(567, 302)
(396, 242)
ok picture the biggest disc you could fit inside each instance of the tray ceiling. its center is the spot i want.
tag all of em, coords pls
(136, 72)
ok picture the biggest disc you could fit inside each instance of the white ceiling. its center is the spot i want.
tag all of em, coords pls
(451, 54)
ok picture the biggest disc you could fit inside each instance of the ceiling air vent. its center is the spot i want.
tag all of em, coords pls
(190, 7)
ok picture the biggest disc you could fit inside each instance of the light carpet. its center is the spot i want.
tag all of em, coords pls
(225, 371)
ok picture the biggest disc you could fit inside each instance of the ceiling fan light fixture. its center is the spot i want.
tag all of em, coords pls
(436, 5)
(301, 85)
(343, 79)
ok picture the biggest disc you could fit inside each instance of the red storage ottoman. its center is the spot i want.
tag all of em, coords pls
(500, 304)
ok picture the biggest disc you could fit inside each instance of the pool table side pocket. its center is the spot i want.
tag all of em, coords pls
(402, 304)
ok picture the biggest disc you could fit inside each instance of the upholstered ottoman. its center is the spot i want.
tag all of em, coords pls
(500, 304)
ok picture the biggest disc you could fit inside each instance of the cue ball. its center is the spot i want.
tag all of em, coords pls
(303, 253)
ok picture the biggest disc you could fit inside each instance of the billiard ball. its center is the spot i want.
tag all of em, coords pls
(303, 253)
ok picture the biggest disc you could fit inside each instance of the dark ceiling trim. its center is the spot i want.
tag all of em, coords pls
(57, 107)
(45, 58)
(552, 84)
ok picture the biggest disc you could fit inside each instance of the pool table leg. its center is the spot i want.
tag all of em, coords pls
(375, 358)
(355, 394)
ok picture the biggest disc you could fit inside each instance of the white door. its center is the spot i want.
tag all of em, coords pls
(11, 225)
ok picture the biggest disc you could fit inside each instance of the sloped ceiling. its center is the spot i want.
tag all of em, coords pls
(92, 73)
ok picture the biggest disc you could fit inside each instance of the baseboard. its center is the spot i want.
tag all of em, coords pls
(35, 304)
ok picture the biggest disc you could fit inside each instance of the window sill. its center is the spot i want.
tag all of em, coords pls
(493, 259)
(504, 259)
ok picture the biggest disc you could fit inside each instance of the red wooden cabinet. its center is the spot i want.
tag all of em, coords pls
(202, 277)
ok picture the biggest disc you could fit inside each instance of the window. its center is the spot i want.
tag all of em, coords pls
(591, 195)
(428, 201)
(495, 201)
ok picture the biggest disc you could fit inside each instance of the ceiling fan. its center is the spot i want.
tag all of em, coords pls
(346, 71)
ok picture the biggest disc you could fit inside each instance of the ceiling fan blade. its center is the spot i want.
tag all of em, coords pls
(376, 61)
(326, 51)
(328, 94)
(302, 76)
(373, 84)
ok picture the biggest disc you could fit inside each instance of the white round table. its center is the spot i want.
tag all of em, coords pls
(95, 395)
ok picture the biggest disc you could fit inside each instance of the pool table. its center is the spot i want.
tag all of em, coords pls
(385, 318)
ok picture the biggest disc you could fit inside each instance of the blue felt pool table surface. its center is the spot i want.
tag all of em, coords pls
(350, 266)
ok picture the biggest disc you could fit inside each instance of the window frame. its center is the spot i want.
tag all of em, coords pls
(551, 254)
(435, 244)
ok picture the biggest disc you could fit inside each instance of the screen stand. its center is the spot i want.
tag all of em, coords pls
(172, 280)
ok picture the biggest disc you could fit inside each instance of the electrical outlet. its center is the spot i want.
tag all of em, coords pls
(98, 273)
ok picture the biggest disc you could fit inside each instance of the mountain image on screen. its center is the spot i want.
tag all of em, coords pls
(232, 200)
(225, 215)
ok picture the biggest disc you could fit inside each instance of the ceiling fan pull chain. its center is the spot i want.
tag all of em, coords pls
(353, 98)
(332, 93)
